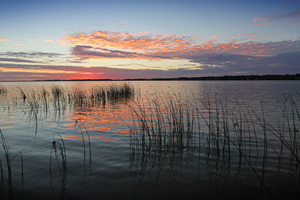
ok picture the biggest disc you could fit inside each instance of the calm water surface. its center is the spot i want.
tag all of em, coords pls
(105, 160)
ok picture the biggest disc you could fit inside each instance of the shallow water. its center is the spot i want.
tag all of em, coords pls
(105, 160)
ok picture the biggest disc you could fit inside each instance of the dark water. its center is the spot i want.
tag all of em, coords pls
(105, 160)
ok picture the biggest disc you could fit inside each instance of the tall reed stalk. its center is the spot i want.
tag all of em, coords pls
(84, 131)
(3, 90)
(59, 150)
(7, 166)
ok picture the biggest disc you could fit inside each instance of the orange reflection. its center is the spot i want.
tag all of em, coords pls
(74, 137)
(100, 120)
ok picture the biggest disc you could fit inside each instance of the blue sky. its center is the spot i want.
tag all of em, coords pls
(147, 39)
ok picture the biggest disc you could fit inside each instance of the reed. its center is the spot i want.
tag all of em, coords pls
(23, 95)
(7, 166)
(34, 107)
(44, 97)
(3, 90)
(58, 150)
(84, 132)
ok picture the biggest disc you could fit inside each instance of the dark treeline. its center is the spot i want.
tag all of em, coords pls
(241, 77)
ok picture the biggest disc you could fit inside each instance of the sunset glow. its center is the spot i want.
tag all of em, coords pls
(140, 40)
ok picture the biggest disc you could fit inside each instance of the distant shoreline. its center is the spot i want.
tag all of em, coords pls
(205, 78)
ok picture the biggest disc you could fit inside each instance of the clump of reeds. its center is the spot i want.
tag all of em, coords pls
(44, 97)
(79, 97)
(163, 123)
(98, 96)
(34, 105)
(31, 103)
(117, 92)
(59, 97)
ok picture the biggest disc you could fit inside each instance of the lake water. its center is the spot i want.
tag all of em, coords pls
(168, 140)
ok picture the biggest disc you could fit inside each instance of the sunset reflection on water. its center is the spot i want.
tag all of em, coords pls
(113, 118)
(75, 137)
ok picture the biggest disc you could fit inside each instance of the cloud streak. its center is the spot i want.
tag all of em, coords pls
(30, 54)
(16, 60)
(287, 14)
(30, 57)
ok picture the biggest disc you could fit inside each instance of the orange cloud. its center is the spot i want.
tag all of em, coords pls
(48, 40)
(3, 40)
(217, 37)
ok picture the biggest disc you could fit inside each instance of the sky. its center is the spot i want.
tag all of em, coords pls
(130, 39)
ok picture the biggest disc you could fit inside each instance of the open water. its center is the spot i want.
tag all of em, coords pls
(93, 150)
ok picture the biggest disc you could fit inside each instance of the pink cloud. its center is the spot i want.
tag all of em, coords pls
(140, 42)
(145, 46)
